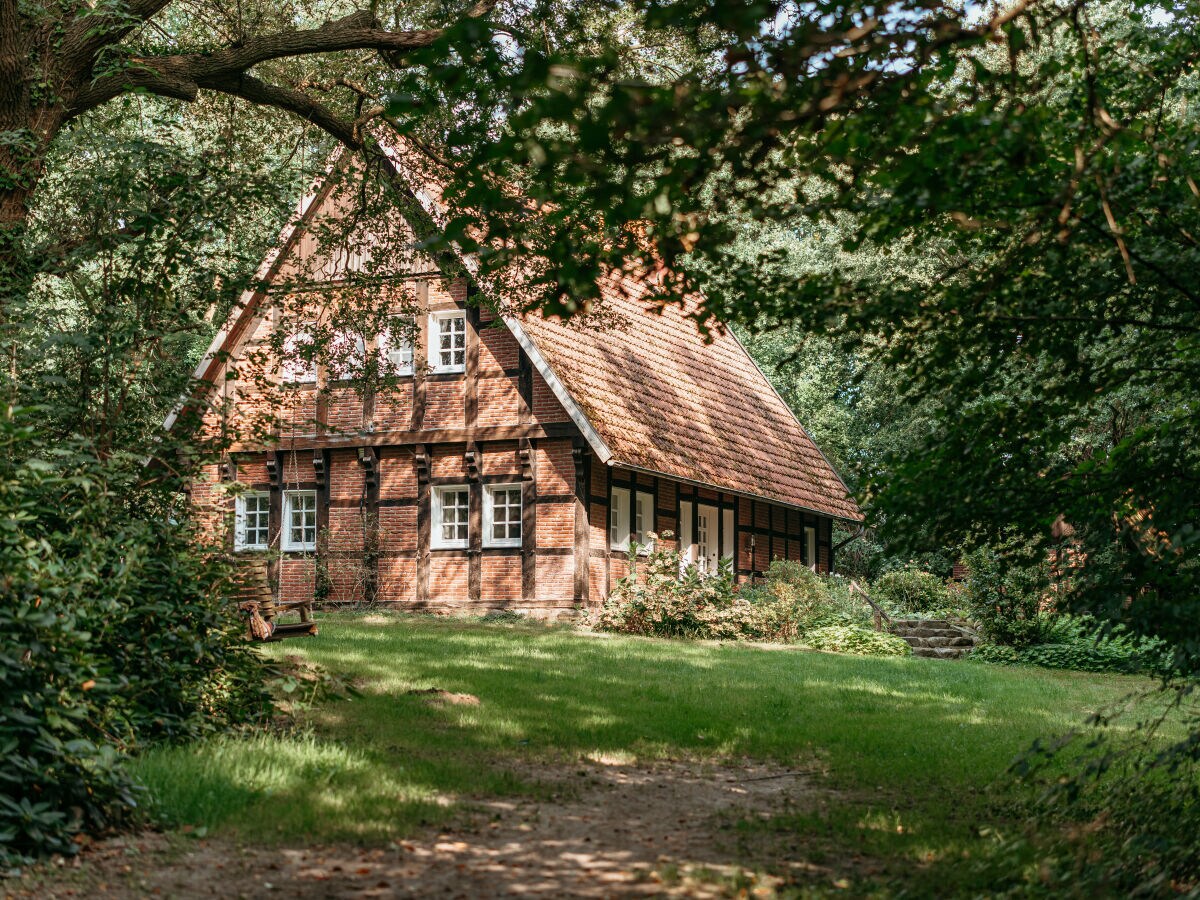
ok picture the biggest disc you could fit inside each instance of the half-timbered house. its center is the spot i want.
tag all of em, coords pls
(512, 460)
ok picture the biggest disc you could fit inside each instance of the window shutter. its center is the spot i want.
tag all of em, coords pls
(687, 548)
(618, 519)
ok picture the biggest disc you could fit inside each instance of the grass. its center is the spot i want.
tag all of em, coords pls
(913, 743)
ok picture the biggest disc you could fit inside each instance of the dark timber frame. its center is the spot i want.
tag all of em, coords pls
(761, 530)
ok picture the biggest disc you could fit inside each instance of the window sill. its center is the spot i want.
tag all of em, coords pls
(506, 545)
(462, 546)
(448, 370)
(250, 548)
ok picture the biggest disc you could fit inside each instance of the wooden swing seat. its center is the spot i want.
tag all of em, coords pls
(258, 605)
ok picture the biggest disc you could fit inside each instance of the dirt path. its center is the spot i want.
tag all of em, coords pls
(609, 830)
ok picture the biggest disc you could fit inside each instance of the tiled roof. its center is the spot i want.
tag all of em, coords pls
(658, 396)
(665, 401)
(647, 385)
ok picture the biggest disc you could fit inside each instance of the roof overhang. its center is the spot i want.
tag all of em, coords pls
(724, 490)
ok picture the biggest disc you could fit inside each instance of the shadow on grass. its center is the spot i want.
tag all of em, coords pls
(895, 732)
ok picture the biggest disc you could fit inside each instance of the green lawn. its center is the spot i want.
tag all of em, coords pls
(912, 743)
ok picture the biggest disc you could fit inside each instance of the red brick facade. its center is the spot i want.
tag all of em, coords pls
(373, 461)
(374, 506)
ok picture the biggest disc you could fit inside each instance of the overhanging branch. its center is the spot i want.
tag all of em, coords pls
(296, 102)
(182, 76)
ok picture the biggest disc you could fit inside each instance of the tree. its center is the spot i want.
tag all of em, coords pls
(61, 61)
(1028, 183)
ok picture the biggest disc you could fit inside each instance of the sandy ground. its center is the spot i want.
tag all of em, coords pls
(608, 830)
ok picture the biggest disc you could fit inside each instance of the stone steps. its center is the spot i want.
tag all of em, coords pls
(935, 638)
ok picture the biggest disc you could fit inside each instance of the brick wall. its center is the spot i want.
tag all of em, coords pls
(546, 407)
(555, 525)
(443, 405)
(346, 503)
(297, 578)
(501, 584)
(447, 579)
(211, 505)
(555, 580)
(501, 459)
(555, 467)
(500, 401)
(344, 410)
(498, 349)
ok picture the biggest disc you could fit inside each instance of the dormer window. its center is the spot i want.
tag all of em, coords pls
(448, 341)
(396, 346)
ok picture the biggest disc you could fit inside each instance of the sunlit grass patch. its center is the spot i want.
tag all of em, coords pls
(894, 735)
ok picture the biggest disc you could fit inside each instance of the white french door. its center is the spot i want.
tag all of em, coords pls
(707, 548)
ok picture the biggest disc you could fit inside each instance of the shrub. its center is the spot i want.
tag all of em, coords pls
(840, 606)
(1004, 592)
(791, 599)
(113, 634)
(999, 654)
(1118, 806)
(664, 598)
(854, 639)
(1082, 644)
(661, 597)
(910, 591)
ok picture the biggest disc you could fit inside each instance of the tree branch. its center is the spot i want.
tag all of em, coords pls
(181, 76)
(296, 102)
(90, 32)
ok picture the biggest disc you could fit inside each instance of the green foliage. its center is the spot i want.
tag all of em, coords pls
(115, 634)
(910, 591)
(1006, 591)
(1123, 819)
(858, 640)
(662, 598)
(1035, 344)
(1083, 644)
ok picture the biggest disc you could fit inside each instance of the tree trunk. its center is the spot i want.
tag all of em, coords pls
(29, 120)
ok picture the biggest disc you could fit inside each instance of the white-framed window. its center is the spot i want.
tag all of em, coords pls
(448, 341)
(251, 520)
(347, 351)
(810, 547)
(299, 520)
(643, 520)
(618, 519)
(502, 515)
(451, 514)
(396, 346)
(727, 548)
(299, 364)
